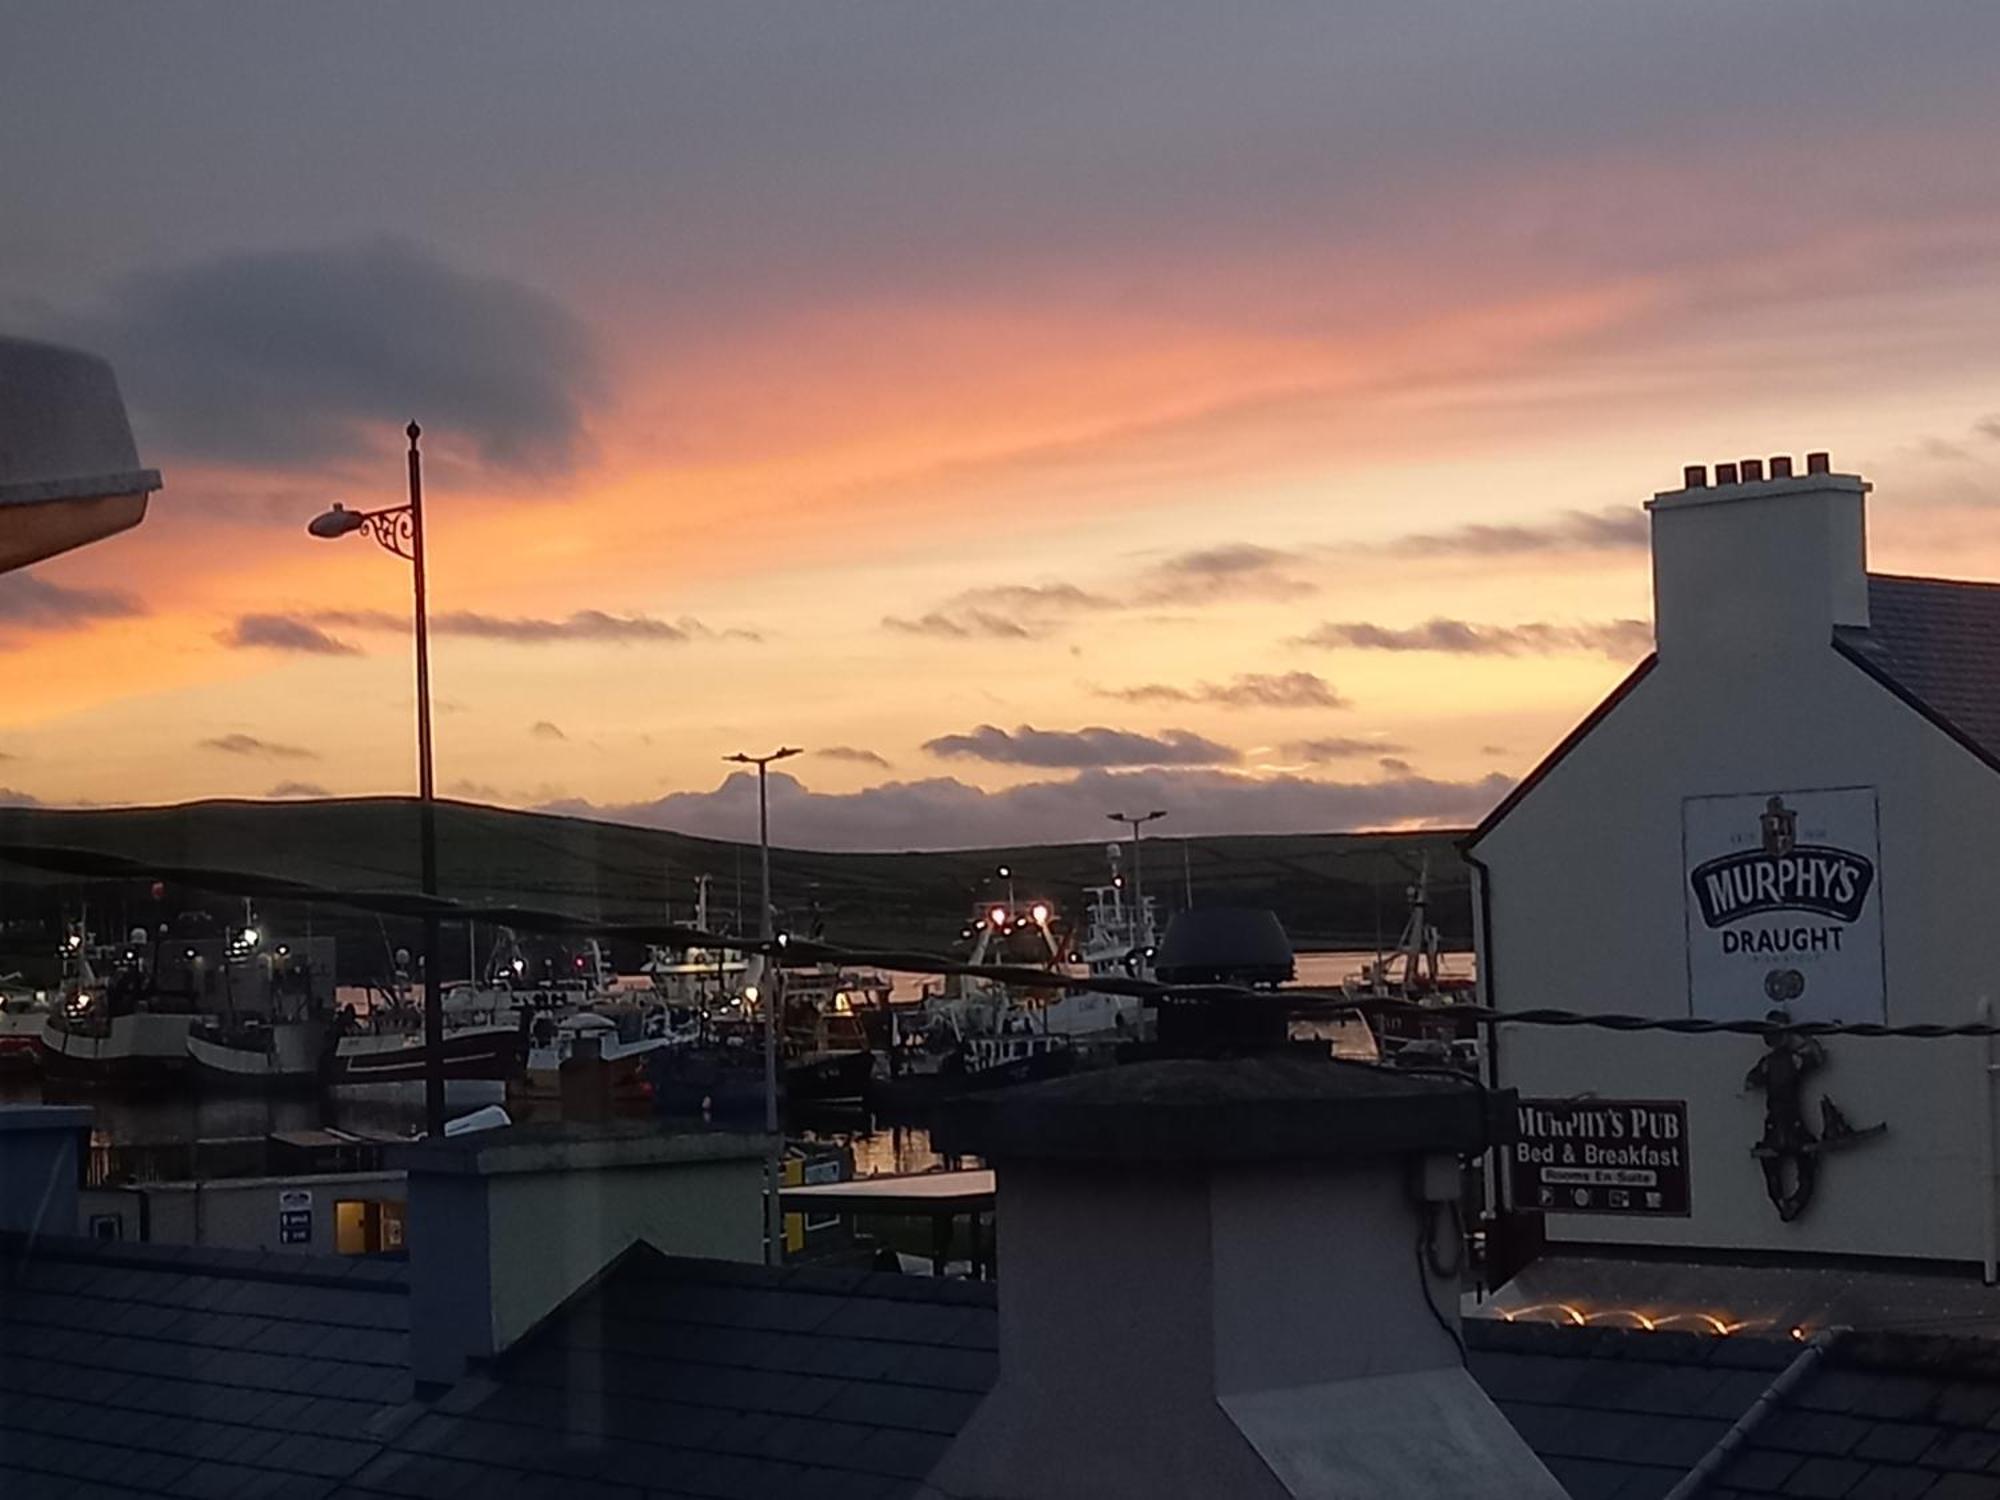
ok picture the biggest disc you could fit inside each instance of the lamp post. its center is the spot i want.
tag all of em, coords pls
(1139, 923)
(400, 529)
(774, 1222)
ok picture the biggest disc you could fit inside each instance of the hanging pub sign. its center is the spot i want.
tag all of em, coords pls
(1602, 1156)
(1784, 905)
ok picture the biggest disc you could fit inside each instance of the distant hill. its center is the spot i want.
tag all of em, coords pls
(1330, 889)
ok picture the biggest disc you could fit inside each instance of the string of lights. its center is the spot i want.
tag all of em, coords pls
(86, 864)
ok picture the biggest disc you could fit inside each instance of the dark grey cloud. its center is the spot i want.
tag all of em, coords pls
(1622, 640)
(1245, 690)
(943, 812)
(853, 755)
(584, 625)
(31, 603)
(1073, 749)
(299, 356)
(1616, 528)
(593, 625)
(1337, 747)
(1036, 598)
(298, 789)
(282, 633)
(14, 797)
(250, 744)
(963, 625)
(1395, 765)
(1028, 612)
(1494, 750)
(1236, 570)
(1988, 427)
(546, 729)
(475, 791)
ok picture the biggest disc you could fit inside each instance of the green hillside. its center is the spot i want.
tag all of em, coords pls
(1329, 889)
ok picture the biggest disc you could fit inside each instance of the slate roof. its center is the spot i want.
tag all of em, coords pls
(1619, 1413)
(680, 1378)
(1884, 1417)
(210, 1375)
(165, 1370)
(1938, 641)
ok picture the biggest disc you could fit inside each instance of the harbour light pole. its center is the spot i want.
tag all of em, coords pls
(400, 529)
(774, 1222)
(1138, 880)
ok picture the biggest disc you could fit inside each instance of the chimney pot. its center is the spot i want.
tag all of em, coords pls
(1781, 466)
(1695, 477)
(1818, 463)
(1752, 470)
(1725, 473)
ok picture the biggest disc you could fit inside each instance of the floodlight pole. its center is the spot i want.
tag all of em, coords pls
(774, 1220)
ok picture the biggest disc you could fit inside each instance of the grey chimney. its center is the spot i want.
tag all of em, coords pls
(1750, 564)
(504, 1225)
(1233, 1278)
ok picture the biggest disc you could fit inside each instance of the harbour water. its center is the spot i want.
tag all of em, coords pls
(165, 1135)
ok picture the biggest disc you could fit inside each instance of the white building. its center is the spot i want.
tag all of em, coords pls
(1793, 803)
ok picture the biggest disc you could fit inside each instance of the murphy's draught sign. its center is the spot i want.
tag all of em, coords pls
(1783, 906)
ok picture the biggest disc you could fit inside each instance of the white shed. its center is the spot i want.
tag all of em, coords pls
(1792, 805)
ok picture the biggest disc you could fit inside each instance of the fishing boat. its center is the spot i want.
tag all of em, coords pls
(386, 1042)
(1407, 986)
(623, 1042)
(1118, 942)
(23, 1013)
(125, 1029)
(275, 1031)
(972, 1031)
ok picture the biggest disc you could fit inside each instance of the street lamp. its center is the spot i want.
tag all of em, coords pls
(400, 529)
(1139, 924)
(774, 1223)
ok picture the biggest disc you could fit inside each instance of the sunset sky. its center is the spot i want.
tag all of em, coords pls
(1241, 410)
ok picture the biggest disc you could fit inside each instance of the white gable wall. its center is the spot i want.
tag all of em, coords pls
(1585, 911)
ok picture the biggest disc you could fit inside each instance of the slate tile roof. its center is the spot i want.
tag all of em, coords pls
(211, 1375)
(1884, 1415)
(151, 1369)
(1619, 1414)
(1939, 641)
(684, 1378)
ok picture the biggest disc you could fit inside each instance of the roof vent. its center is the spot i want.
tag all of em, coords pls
(1725, 473)
(1781, 466)
(1695, 477)
(1753, 470)
(1818, 463)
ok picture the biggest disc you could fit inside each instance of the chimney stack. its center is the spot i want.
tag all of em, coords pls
(1234, 1277)
(1754, 564)
(505, 1225)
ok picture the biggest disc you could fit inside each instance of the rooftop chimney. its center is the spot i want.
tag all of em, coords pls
(39, 1149)
(504, 1225)
(1754, 565)
(1232, 1278)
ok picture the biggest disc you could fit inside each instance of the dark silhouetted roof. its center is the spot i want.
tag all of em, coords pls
(1618, 1413)
(166, 1370)
(705, 1378)
(1892, 1415)
(1937, 641)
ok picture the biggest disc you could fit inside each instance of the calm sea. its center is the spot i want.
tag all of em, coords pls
(181, 1121)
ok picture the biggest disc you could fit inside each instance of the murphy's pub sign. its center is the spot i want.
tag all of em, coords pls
(1602, 1156)
(1783, 905)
